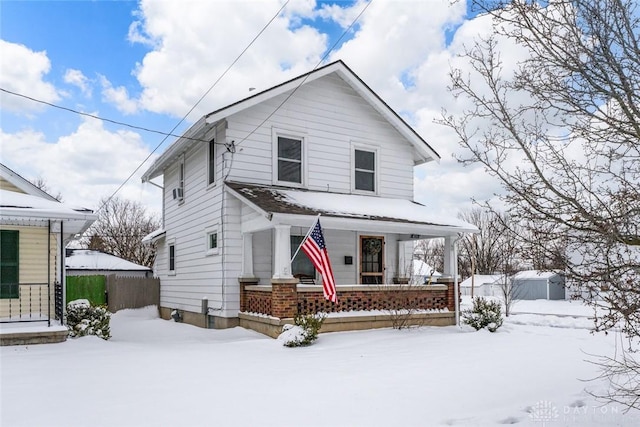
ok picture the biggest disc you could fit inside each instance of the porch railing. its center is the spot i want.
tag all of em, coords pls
(33, 303)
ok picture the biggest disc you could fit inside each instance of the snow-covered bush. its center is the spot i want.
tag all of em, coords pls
(303, 332)
(83, 319)
(484, 313)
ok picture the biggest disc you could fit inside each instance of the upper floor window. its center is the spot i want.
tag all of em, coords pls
(289, 161)
(365, 170)
(211, 163)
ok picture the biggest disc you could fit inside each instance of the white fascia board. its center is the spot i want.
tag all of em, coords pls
(178, 147)
(24, 184)
(367, 225)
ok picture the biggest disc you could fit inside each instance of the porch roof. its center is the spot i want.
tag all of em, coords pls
(22, 208)
(281, 205)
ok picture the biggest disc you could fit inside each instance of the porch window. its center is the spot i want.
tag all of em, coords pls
(290, 160)
(365, 170)
(371, 260)
(301, 266)
(9, 264)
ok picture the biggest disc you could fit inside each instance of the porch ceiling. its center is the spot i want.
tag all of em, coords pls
(280, 205)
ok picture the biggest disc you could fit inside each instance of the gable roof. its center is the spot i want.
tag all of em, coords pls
(482, 279)
(23, 184)
(292, 206)
(87, 259)
(202, 126)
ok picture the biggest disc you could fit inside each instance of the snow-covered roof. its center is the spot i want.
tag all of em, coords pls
(482, 279)
(86, 259)
(153, 236)
(534, 274)
(423, 151)
(421, 268)
(17, 207)
(337, 209)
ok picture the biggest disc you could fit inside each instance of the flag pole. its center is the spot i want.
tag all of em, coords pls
(305, 237)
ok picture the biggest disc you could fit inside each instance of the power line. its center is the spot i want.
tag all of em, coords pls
(307, 76)
(93, 116)
(196, 104)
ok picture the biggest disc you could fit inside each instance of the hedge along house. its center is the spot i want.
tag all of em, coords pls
(243, 185)
(34, 228)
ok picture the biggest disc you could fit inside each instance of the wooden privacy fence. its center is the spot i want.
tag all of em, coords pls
(131, 292)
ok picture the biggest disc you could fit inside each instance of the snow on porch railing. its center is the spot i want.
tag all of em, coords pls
(287, 300)
(25, 302)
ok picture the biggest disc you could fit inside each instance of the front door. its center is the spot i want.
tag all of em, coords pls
(371, 260)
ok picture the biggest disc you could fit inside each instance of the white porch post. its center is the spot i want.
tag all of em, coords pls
(282, 252)
(449, 256)
(247, 256)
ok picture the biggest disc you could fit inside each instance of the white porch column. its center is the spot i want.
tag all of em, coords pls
(247, 256)
(282, 252)
(449, 256)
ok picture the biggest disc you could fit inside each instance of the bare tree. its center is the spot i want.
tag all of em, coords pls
(431, 251)
(119, 230)
(483, 250)
(41, 183)
(562, 135)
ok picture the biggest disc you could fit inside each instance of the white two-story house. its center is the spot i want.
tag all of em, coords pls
(243, 185)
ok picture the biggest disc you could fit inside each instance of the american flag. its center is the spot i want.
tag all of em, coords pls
(316, 250)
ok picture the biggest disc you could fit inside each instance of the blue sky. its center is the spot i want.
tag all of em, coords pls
(146, 63)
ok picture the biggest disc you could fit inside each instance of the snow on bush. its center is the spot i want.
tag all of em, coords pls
(303, 332)
(83, 319)
(484, 313)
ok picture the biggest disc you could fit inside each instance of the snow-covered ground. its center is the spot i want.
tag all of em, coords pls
(533, 372)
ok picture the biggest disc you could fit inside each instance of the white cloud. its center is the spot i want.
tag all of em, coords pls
(22, 71)
(78, 79)
(118, 96)
(84, 166)
(194, 43)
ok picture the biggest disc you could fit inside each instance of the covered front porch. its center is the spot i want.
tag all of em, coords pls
(370, 245)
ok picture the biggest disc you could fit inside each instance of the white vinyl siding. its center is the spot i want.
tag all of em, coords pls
(329, 115)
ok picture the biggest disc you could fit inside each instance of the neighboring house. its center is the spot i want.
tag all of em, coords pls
(34, 229)
(243, 185)
(535, 284)
(87, 262)
(484, 285)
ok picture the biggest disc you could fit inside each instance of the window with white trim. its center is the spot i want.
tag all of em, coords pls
(212, 240)
(289, 160)
(211, 163)
(364, 170)
(171, 256)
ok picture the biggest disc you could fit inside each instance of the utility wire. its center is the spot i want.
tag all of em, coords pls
(307, 76)
(93, 116)
(197, 103)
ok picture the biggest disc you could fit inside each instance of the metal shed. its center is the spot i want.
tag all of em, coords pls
(535, 284)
